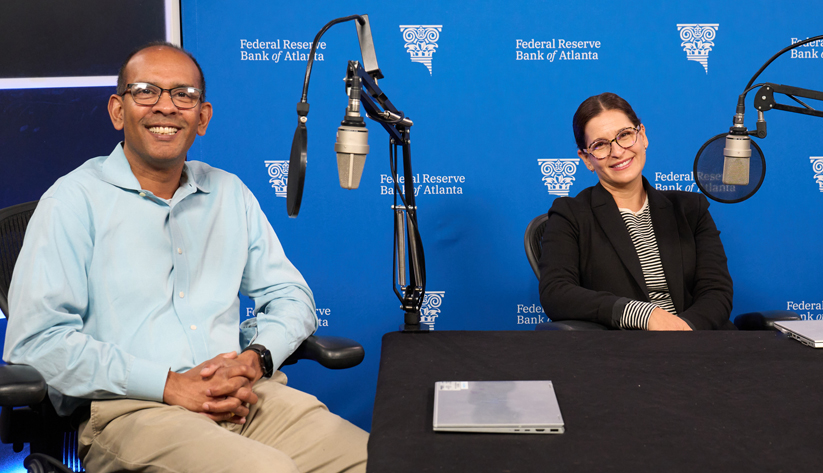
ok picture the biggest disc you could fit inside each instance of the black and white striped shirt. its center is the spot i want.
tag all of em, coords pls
(636, 313)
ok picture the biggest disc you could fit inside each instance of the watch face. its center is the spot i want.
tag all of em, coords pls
(268, 365)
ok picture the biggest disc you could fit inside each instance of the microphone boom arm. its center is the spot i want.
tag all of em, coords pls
(375, 100)
(737, 154)
(764, 101)
(379, 108)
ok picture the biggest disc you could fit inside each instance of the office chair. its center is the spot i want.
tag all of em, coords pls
(533, 241)
(28, 416)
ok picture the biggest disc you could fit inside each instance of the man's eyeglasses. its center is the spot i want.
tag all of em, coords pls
(144, 93)
(625, 138)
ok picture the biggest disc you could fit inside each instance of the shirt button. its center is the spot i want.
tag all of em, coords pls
(182, 294)
(142, 194)
(179, 251)
(194, 327)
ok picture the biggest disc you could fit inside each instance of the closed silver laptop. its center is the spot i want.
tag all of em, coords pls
(808, 332)
(520, 407)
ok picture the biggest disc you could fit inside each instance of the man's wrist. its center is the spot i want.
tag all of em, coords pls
(264, 364)
(168, 389)
(251, 359)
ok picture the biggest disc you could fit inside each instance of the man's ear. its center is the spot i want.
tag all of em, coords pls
(116, 111)
(205, 117)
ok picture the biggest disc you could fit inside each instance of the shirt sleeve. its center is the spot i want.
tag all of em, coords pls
(283, 302)
(48, 303)
(636, 315)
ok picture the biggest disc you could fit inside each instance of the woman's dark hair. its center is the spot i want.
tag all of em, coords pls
(592, 107)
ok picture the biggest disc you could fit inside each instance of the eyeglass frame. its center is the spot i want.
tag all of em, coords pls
(199, 100)
(614, 140)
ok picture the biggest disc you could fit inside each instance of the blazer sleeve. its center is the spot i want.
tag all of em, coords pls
(712, 288)
(561, 293)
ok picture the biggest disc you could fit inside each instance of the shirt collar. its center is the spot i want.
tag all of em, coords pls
(116, 170)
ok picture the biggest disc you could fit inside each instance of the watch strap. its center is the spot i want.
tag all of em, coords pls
(266, 363)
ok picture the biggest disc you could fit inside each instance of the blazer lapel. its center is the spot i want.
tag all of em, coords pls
(607, 215)
(668, 243)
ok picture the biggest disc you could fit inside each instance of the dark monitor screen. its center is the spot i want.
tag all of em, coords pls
(47, 38)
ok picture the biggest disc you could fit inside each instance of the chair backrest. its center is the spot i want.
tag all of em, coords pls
(534, 241)
(13, 222)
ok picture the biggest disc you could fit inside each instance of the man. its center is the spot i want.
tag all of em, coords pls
(125, 295)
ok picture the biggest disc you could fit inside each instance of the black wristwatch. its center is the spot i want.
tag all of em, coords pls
(266, 364)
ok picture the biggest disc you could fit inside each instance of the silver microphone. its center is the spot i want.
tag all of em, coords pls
(352, 144)
(738, 151)
(736, 157)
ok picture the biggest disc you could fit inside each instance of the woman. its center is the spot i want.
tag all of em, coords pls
(623, 254)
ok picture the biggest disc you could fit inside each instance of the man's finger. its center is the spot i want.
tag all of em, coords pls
(228, 417)
(226, 387)
(219, 361)
(245, 395)
(240, 370)
(229, 379)
(209, 370)
(229, 405)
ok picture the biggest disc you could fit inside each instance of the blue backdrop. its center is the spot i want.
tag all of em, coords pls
(491, 88)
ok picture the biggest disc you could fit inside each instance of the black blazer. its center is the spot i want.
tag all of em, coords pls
(589, 264)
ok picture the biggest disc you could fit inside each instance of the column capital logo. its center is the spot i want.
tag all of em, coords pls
(421, 42)
(430, 309)
(817, 168)
(558, 174)
(697, 39)
(279, 176)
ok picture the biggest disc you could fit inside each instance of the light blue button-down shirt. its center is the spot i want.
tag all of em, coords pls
(114, 286)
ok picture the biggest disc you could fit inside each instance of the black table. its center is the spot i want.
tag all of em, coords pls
(631, 401)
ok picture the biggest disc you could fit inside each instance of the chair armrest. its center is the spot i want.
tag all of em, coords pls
(332, 352)
(763, 320)
(570, 325)
(45, 463)
(21, 385)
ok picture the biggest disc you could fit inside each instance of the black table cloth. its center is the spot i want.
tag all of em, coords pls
(632, 401)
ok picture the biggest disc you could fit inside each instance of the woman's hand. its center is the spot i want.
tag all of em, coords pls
(663, 320)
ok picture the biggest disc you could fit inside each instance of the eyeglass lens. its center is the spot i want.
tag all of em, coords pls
(149, 94)
(625, 138)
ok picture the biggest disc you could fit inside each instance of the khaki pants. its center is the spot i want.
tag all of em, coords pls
(286, 431)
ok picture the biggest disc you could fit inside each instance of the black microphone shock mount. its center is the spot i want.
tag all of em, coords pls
(361, 83)
(706, 165)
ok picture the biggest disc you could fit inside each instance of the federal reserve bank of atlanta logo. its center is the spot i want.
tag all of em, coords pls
(279, 174)
(431, 307)
(558, 174)
(817, 167)
(697, 39)
(421, 42)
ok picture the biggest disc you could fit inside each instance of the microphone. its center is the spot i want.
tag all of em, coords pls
(736, 159)
(352, 143)
(712, 168)
(738, 150)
